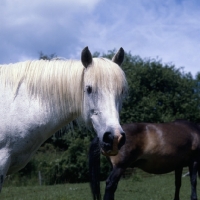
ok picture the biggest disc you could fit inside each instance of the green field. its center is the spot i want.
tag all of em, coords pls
(137, 188)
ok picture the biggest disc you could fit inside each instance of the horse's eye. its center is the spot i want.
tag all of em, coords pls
(89, 89)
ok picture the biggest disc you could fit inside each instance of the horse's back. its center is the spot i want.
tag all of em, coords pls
(159, 148)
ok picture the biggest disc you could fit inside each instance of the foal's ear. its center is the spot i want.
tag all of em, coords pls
(119, 57)
(86, 57)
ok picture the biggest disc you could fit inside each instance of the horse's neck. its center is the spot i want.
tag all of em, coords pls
(51, 119)
(31, 116)
(54, 122)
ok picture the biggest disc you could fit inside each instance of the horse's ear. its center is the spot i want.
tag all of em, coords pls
(86, 57)
(119, 57)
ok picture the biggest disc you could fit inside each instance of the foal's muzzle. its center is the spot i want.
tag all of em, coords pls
(112, 142)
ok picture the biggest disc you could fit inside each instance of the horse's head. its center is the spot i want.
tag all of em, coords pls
(104, 85)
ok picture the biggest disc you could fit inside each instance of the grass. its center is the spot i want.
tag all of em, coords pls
(152, 188)
(140, 188)
(56, 192)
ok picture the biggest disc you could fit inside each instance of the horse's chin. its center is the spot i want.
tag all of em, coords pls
(109, 153)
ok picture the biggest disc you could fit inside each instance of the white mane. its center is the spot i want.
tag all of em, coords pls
(60, 83)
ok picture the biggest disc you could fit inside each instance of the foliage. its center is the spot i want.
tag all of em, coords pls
(47, 57)
(158, 93)
(72, 166)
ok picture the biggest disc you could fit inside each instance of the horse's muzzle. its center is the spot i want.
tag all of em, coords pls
(112, 142)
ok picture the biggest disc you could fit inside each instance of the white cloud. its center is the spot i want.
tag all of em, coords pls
(28, 27)
(168, 29)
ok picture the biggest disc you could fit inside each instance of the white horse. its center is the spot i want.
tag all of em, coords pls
(37, 98)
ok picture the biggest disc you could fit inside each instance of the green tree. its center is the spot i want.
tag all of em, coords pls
(47, 57)
(158, 92)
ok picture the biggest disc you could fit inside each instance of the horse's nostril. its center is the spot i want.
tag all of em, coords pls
(122, 141)
(108, 137)
(112, 143)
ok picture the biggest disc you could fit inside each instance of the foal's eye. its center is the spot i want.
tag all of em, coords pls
(89, 89)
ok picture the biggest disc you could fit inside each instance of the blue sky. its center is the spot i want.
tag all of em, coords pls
(168, 30)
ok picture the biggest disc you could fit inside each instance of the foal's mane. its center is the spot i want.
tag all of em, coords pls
(60, 82)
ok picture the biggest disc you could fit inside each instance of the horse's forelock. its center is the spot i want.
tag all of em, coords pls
(105, 74)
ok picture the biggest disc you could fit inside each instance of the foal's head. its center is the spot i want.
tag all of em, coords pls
(104, 86)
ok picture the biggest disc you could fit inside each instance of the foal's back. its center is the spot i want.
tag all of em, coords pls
(159, 148)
